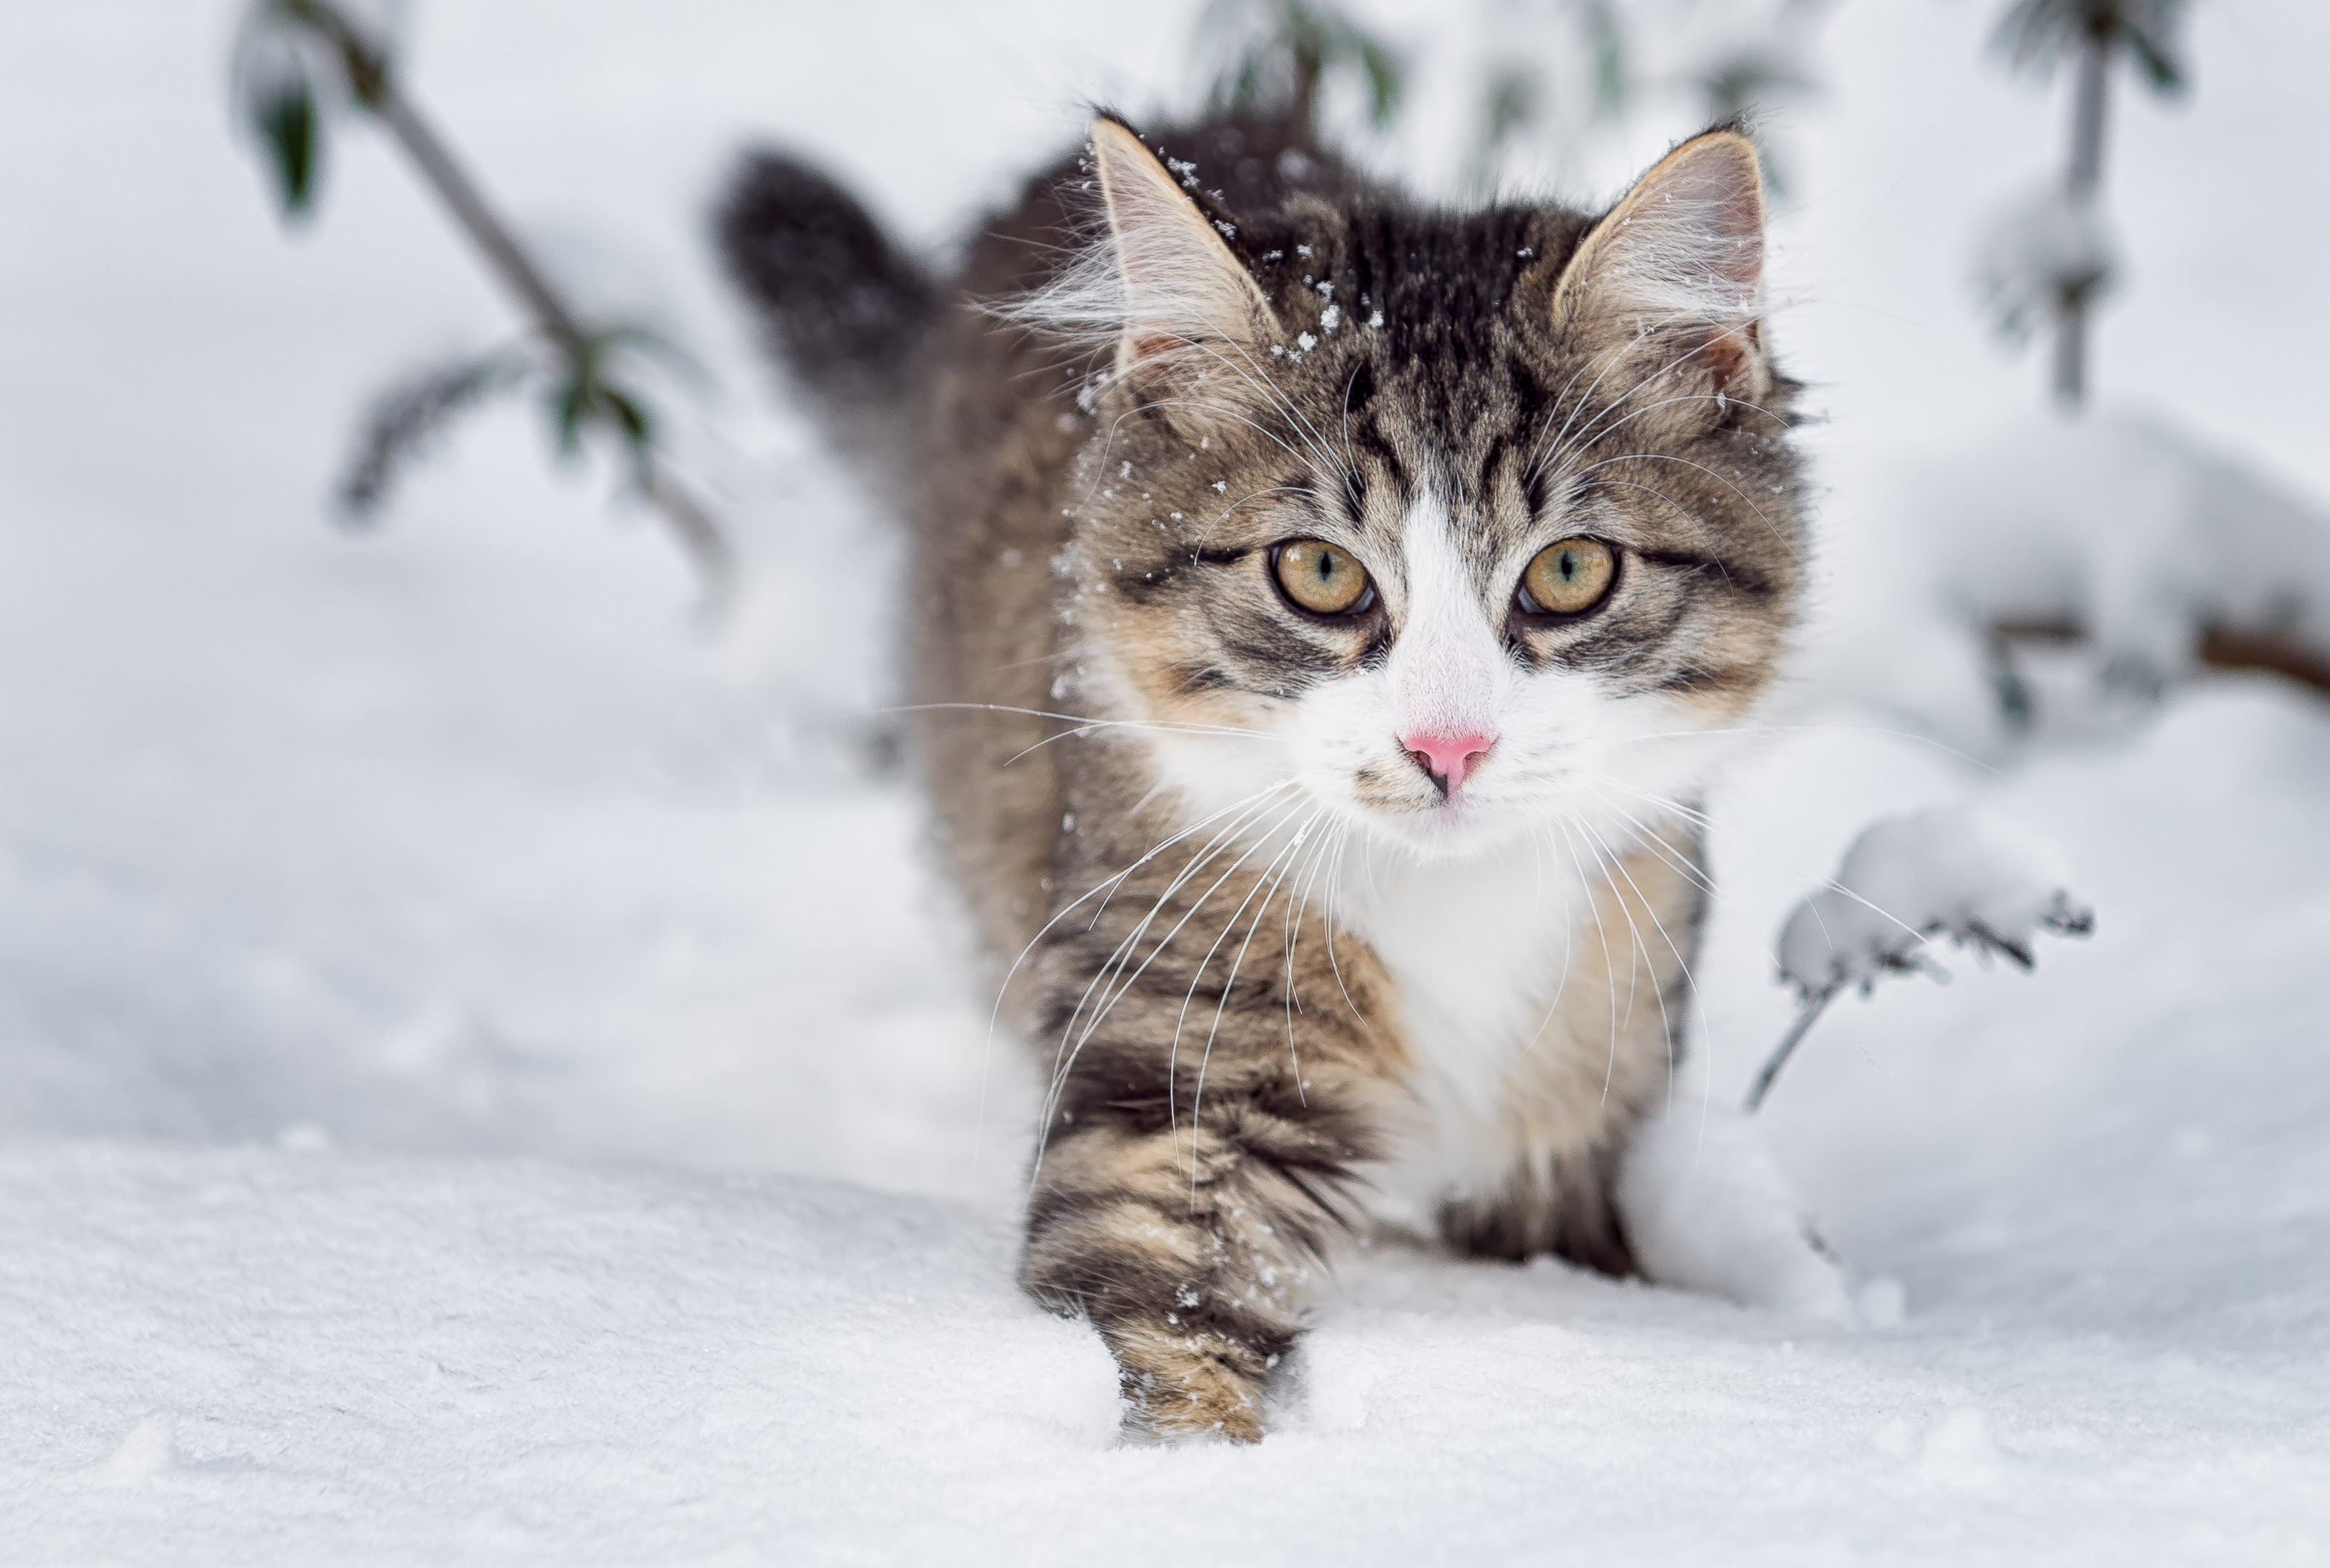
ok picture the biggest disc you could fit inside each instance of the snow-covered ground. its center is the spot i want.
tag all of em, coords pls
(484, 1078)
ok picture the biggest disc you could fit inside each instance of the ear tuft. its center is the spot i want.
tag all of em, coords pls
(1684, 249)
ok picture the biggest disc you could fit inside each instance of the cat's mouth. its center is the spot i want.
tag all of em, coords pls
(1438, 821)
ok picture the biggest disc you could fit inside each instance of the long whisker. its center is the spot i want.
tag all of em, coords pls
(1253, 376)
(1607, 861)
(1065, 1057)
(1293, 937)
(1120, 954)
(1252, 372)
(1771, 527)
(1552, 454)
(1828, 883)
(1260, 380)
(1108, 884)
(1674, 859)
(1609, 964)
(1682, 963)
(1117, 880)
(1126, 984)
(1606, 426)
(1609, 359)
(1538, 839)
(1334, 882)
(1202, 405)
(1600, 425)
(1172, 1101)
(1284, 864)
(1084, 721)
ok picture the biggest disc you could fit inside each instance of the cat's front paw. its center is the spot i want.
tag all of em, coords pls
(1182, 1385)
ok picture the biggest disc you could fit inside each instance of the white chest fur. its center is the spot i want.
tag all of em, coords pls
(1481, 952)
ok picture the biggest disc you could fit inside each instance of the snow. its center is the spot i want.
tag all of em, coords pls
(1708, 1208)
(1950, 871)
(256, 1356)
(2121, 525)
(2044, 243)
(486, 1075)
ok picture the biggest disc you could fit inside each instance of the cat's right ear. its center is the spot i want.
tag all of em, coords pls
(1188, 307)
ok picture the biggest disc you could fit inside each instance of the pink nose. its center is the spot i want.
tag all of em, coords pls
(1448, 758)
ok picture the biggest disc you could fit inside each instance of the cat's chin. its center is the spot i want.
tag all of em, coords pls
(1446, 833)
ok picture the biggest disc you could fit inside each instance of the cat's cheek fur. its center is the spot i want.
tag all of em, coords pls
(1219, 754)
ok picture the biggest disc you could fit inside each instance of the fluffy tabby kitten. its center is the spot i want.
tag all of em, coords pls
(1326, 610)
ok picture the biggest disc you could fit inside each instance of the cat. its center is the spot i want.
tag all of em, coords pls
(1327, 611)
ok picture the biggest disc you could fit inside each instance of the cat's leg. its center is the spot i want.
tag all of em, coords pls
(1707, 1208)
(1186, 1227)
(1563, 1205)
(1221, 1066)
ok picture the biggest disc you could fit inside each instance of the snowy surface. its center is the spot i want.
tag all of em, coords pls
(484, 1077)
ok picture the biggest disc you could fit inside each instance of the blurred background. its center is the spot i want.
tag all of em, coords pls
(503, 813)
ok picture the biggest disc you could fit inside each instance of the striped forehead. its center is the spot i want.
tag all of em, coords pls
(1468, 438)
(1448, 557)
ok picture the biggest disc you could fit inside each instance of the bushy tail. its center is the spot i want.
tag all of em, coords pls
(841, 307)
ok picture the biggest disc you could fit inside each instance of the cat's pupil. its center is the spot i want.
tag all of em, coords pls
(1568, 565)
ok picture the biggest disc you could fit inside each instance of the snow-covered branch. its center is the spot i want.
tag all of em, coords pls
(1955, 871)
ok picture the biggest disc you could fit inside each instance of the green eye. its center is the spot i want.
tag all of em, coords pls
(1567, 577)
(1321, 578)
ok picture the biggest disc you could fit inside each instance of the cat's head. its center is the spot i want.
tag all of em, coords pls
(1472, 526)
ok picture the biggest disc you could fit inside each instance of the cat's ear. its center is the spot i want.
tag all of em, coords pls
(1188, 306)
(1676, 268)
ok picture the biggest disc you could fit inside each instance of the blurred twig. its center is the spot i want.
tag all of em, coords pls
(2036, 35)
(1273, 56)
(1594, 64)
(1807, 1015)
(285, 101)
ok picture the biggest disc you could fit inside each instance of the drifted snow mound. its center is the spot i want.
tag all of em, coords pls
(2118, 526)
(2126, 527)
(1954, 871)
(1707, 1208)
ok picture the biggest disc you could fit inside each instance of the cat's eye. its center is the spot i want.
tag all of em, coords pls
(1321, 578)
(1567, 577)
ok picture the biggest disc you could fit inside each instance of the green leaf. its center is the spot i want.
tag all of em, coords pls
(2159, 66)
(1512, 103)
(289, 124)
(2032, 32)
(1610, 81)
(629, 417)
(568, 409)
(586, 396)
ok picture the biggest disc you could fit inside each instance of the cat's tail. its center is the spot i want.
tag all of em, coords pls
(842, 308)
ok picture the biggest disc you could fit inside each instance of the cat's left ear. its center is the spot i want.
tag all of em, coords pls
(1189, 306)
(1676, 269)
